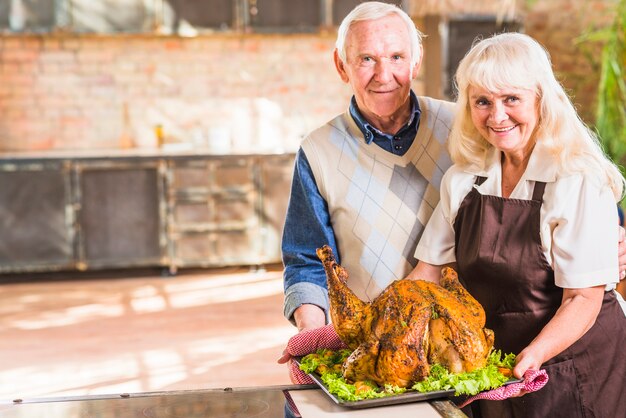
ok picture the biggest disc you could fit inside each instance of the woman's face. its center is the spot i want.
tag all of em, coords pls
(506, 118)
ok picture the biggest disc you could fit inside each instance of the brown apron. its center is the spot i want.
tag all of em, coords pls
(501, 262)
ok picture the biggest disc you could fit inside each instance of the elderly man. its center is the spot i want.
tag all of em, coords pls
(366, 182)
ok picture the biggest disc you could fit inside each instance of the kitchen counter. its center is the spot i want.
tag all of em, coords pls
(142, 207)
(259, 402)
(173, 151)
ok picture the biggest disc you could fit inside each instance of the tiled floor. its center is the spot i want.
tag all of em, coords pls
(112, 333)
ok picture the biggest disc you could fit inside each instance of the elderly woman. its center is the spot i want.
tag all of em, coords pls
(527, 215)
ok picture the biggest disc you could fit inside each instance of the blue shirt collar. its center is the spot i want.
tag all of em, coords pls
(369, 131)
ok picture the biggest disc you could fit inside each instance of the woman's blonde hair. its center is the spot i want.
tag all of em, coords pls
(515, 60)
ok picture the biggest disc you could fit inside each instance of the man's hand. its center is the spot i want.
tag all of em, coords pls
(307, 342)
(621, 253)
(307, 317)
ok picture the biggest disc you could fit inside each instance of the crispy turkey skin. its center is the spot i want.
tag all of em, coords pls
(409, 326)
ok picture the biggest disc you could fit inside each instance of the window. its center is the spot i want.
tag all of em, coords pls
(341, 8)
(285, 15)
(200, 14)
(184, 17)
(462, 32)
(110, 16)
(27, 15)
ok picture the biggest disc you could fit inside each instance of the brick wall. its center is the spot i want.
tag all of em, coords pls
(86, 92)
(82, 92)
(557, 24)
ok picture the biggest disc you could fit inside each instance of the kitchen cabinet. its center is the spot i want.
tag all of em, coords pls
(226, 211)
(118, 221)
(36, 217)
(160, 210)
(274, 184)
(212, 212)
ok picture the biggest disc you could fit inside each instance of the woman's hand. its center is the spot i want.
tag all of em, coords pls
(577, 313)
(428, 272)
(526, 360)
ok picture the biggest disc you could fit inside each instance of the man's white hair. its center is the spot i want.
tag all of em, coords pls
(373, 10)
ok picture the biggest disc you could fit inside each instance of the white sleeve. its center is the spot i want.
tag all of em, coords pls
(585, 237)
(436, 246)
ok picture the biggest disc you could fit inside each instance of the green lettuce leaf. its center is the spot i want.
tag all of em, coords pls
(323, 357)
(469, 383)
(440, 379)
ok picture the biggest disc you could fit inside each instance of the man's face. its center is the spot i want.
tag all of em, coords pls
(378, 66)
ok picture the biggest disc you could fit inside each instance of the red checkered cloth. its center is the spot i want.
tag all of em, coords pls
(533, 381)
(291, 405)
(308, 342)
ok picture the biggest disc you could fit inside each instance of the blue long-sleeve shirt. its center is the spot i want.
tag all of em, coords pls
(308, 225)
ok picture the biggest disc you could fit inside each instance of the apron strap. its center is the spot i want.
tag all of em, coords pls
(480, 180)
(540, 186)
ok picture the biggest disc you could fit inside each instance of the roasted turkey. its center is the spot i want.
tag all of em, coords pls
(411, 325)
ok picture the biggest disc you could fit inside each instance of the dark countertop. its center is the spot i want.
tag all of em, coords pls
(258, 402)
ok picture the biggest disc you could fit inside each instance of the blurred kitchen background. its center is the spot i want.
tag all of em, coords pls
(146, 150)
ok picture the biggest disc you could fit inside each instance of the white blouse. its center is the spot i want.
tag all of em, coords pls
(579, 220)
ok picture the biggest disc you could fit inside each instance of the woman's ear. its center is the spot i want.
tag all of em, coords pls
(340, 66)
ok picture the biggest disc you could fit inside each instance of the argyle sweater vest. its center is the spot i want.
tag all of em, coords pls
(379, 203)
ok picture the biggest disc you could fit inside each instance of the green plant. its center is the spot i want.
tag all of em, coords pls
(610, 107)
(611, 104)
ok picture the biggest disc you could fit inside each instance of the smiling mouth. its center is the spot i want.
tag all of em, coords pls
(501, 130)
(387, 91)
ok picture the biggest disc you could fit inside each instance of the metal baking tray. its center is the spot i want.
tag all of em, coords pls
(406, 397)
(400, 398)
